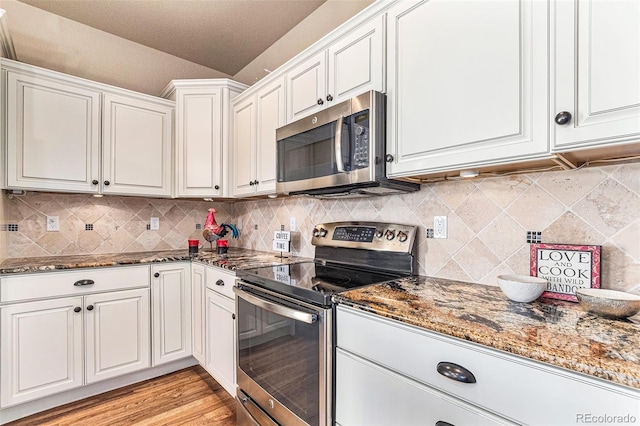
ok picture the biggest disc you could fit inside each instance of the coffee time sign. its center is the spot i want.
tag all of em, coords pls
(566, 268)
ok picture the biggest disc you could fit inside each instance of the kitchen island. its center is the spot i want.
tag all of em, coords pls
(551, 331)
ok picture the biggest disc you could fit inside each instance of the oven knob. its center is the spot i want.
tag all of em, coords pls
(316, 233)
(379, 233)
(402, 237)
(390, 234)
(323, 232)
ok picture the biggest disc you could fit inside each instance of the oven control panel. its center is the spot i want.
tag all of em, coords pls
(380, 236)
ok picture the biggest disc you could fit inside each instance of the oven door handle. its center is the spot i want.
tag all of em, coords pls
(338, 145)
(276, 308)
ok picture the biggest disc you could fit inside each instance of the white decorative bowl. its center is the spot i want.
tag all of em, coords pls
(608, 303)
(522, 288)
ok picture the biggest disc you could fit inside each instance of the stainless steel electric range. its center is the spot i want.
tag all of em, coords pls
(286, 319)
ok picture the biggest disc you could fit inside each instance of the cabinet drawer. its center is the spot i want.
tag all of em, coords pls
(367, 394)
(56, 284)
(220, 281)
(511, 386)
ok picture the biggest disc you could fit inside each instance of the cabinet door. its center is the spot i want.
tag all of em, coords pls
(199, 142)
(52, 134)
(171, 312)
(41, 348)
(356, 62)
(465, 89)
(306, 87)
(117, 333)
(596, 63)
(367, 394)
(270, 115)
(198, 288)
(136, 146)
(244, 142)
(221, 353)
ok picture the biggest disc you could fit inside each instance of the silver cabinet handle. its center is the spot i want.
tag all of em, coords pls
(81, 283)
(285, 311)
(338, 145)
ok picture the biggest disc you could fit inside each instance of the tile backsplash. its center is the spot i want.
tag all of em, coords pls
(488, 221)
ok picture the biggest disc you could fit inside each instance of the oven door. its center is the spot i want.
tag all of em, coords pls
(284, 356)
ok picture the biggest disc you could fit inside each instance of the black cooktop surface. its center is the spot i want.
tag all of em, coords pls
(313, 281)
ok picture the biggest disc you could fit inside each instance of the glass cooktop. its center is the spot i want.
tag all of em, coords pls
(313, 281)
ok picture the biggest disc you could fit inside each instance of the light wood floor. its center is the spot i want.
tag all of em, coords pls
(186, 397)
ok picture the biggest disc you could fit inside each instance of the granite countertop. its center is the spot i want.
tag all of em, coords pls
(554, 332)
(235, 258)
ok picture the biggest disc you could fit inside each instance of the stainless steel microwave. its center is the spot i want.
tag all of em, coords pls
(338, 151)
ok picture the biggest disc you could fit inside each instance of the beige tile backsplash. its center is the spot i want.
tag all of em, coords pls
(488, 221)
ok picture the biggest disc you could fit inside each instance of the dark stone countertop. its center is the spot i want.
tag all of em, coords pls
(551, 331)
(236, 258)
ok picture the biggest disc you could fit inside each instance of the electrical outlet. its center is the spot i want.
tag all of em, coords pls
(239, 224)
(292, 224)
(155, 224)
(439, 227)
(53, 223)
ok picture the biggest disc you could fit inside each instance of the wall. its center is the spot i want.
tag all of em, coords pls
(488, 221)
(119, 223)
(318, 24)
(60, 44)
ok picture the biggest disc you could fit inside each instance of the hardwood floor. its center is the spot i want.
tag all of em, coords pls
(186, 397)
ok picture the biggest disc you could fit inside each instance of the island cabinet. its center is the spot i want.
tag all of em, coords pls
(64, 133)
(60, 331)
(352, 65)
(255, 120)
(595, 89)
(202, 135)
(171, 312)
(466, 85)
(388, 372)
(220, 323)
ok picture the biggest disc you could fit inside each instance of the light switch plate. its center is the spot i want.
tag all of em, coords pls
(53, 223)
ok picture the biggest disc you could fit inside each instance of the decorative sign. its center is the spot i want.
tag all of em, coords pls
(282, 241)
(566, 267)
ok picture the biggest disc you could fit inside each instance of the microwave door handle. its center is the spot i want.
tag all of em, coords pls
(276, 308)
(338, 145)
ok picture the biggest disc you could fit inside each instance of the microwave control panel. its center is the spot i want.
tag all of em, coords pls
(360, 129)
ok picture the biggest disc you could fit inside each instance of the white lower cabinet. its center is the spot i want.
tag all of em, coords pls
(41, 349)
(95, 325)
(117, 329)
(215, 323)
(372, 395)
(198, 293)
(171, 312)
(385, 364)
(221, 340)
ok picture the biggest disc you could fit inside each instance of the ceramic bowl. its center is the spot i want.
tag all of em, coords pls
(522, 288)
(608, 303)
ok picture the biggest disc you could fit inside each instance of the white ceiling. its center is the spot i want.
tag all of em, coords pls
(224, 35)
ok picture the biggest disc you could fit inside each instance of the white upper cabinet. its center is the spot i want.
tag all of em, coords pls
(352, 65)
(53, 134)
(466, 84)
(595, 54)
(255, 120)
(136, 146)
(53, 139)
(202, 132)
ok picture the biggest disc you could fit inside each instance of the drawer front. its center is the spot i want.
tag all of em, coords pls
(77, 282)
(511, 386)
(367, 394)
(220, 281)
